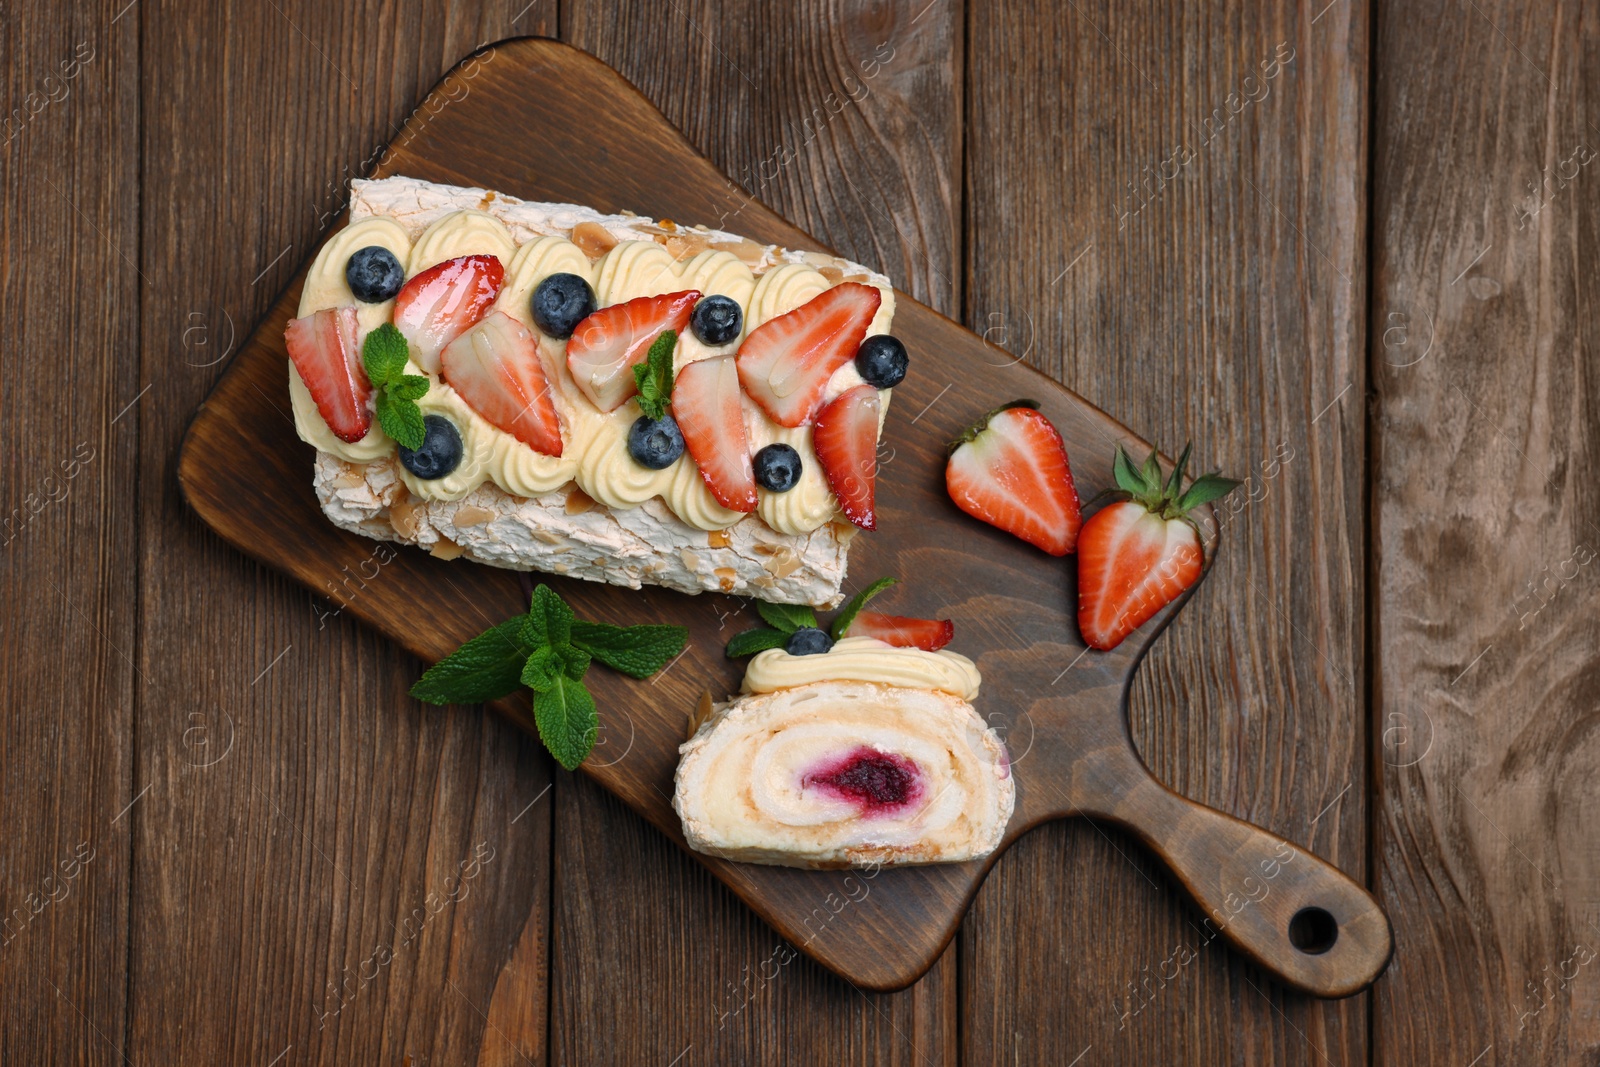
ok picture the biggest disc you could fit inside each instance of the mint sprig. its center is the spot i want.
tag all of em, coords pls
(784, 619)
(384, 354)
(549, 650)
(653, 376)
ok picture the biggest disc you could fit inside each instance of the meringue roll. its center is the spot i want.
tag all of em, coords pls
(844, 773)
(532, 466)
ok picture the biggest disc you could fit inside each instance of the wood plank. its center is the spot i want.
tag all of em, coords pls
(858, 143)
(1190, 259)
(1486, 219)
(300, 894)
(68, 552)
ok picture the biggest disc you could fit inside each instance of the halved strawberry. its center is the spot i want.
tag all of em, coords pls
(1010, 470)
(786, 362)
(606, 345)
(325, 353)
(710, 414)
(845, 439)
(930, 635)
(1135, 556)
(496, 368)
(445, 301)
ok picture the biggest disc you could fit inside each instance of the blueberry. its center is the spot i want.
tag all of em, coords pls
(807, 641)
(655, 443)
(777, 468)
(717, 320)
(881, 361)
(560, 302)
(374, 274)
(440, 452)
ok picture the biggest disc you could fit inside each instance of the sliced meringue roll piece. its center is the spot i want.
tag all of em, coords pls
(845, 773)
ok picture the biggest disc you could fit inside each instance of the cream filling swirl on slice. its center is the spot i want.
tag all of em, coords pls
(845, 773)
(865, 659)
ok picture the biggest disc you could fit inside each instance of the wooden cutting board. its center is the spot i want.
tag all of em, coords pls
(543, 121)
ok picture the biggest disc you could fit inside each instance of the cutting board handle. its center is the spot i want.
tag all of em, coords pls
(1293, 914)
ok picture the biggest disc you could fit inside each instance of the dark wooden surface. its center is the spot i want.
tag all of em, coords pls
(1484, 824)
(155, 193)
(1011, 604)
(1225, 305)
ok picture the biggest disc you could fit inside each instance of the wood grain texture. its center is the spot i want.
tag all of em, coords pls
(1199, 271)
(1486, 526)
(1007, 599)
(859, 143)
(841, 115)
(299, 890)
(1001, 591)
(67, 531)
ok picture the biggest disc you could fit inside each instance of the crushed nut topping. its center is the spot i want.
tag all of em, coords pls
(593, 239)
(444, 548)
(681, 248)
(749, 252)
(403, 517)
(701, 712)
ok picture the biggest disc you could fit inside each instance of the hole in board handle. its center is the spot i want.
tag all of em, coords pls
(1313, 931)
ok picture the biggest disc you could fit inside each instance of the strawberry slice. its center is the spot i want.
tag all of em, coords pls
(1135, 556)
(496, 368)
(1010, 470)
(606, 345)
(845, 439)
(325, 353)
(930, 635)
(443, 302)
(710, 415)
(786, 362)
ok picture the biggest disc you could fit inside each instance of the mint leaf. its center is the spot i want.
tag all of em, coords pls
(786, 617)
(487, 667)
(409, 387)
(549, 620)
(574, 661)
(752, 641)
(384, 354)
(842, 621)
(539, 673)
(653, 375)
(401, 420)
(637, 651)
(568, 724)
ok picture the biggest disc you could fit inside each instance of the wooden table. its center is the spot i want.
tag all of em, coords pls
(1347, 250)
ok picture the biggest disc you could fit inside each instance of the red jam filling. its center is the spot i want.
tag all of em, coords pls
(879, 783)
